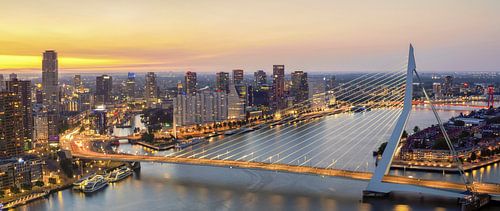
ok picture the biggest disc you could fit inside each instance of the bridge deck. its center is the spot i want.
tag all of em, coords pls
(482, 187)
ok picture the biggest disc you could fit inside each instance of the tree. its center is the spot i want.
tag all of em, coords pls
(2, 193)
(473, 156)
(148, 137)
(440, 144)
(39, 183)
(459, 123)
(405, 134)
(416, 129)
(25, 186)
(381, 148)
(14, 190)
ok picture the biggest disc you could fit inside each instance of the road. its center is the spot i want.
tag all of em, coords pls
(83, 151)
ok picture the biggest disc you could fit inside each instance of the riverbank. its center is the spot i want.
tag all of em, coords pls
(42, 193)
(466, 167)
(151, 146)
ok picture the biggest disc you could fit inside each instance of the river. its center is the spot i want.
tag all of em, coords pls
(186, 187)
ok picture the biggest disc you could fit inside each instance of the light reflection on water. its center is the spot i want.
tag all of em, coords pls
(185, 187)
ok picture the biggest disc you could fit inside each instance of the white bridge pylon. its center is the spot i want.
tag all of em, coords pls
(376, 185)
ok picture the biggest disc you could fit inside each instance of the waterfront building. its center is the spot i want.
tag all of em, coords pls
(222, 82)
(299, 89)
(11, 125)
(317, 88)
(260, 78)
(151, 89)
(204, 107)
(448, 85)
(103, 87)
(236, 105)
(22, 88)
(260, 96)
(238, 76)
(278, 91)
(17, 171)
(437, 90)
(99, 119)
(190, 83)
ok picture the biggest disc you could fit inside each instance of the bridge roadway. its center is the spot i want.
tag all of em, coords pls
(85, 152)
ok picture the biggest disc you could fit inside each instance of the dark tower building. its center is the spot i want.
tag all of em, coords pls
(238, 76)
(50, 93)
(190, 83)
(11, 125)
(300, 87)
(222, 82)
(103, 87)
(23, 91)
(260, 78)
(278, 91)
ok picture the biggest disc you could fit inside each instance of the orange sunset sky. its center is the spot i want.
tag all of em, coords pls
(97, 35)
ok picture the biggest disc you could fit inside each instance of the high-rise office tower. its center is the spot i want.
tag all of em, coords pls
(77, 82)
(222, 82)
(12, 76)
(11, 124)
(23, 90)
(103, 87)
(235, 104)
(130, 85)
(151, 89)
(278, 93)
(50, 93)
(300, 87)
(50, 83)
(260, 78)
(190, 83)
(2, 83)
(238, 77)
(448, 85)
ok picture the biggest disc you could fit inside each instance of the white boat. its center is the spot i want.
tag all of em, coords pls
(119, 174)
(96, 183)
(79, 184)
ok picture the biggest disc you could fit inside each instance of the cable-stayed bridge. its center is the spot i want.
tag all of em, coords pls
(333, 139)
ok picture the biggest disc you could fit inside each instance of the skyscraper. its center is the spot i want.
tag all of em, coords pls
(12, 76)
(11, 124)
(50, 83)
(300, 87)
(23, 90)
(50, 93)
(2, 83)
(235, 104)
(278, 92)
(77, 82)
(151, 89)
(260, 78)
(190, 83)
(448, 85)
(238, 77)
(222, 82)
(103, 87)
(130, 85)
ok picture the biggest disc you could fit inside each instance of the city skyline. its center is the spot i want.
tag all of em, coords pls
(211, 37)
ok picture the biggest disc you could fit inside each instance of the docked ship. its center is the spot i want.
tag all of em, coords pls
(81, 182)
(189, 142)
(95, 183)
(119, 174)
